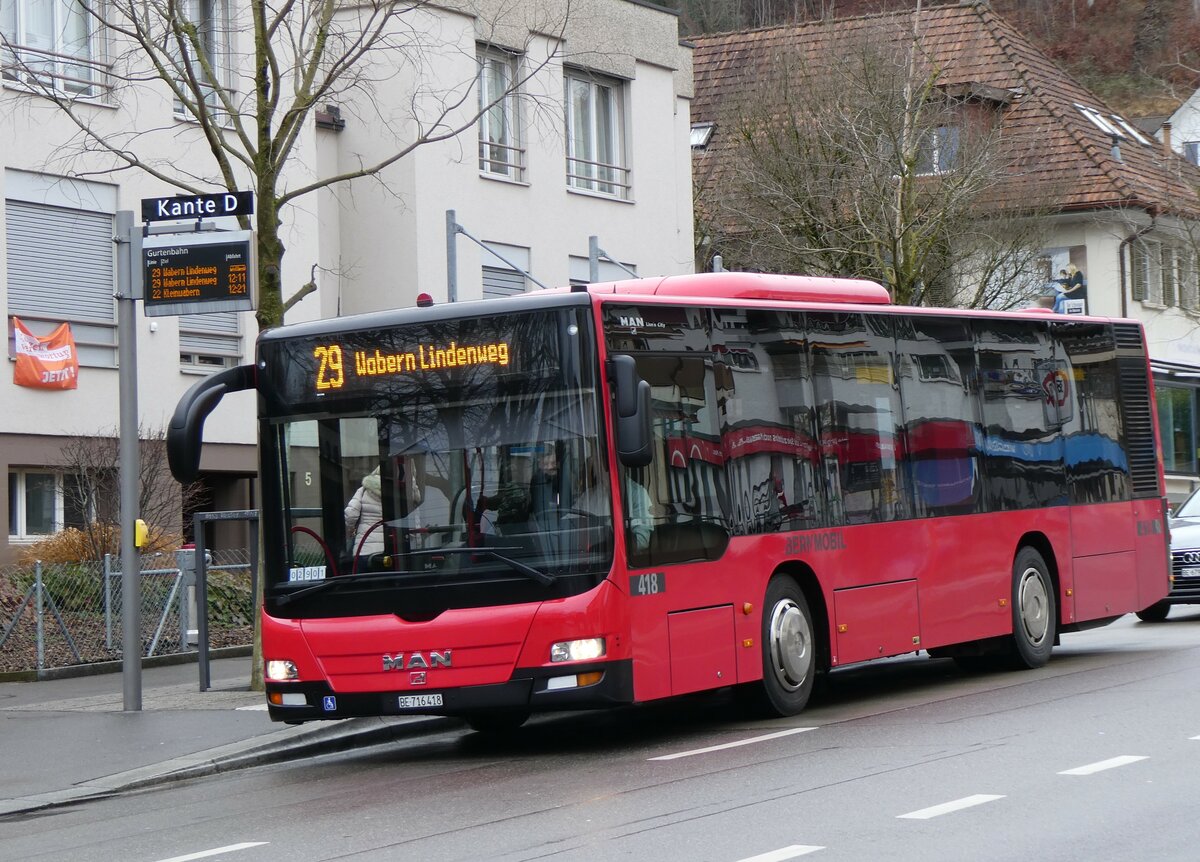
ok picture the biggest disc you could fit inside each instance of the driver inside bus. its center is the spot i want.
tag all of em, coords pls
(593, 499)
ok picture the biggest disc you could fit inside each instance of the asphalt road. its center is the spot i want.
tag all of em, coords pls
(1093, 757)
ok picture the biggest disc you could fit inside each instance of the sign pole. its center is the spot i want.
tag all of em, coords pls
(128, 240)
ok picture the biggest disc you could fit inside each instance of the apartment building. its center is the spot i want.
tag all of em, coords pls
(583, 146)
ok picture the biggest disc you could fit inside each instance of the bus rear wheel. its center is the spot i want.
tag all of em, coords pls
(1034, 609)
(789, 651)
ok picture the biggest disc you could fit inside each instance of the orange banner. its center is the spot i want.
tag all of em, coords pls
(45, 361)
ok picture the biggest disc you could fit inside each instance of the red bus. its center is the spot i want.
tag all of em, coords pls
(622, 492)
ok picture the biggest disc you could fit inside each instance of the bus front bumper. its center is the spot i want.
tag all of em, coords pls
(531, 689)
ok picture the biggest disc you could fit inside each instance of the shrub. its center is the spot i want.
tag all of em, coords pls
(230, 600)
(73, 545)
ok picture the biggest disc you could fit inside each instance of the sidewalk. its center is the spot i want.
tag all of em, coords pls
(64, 740)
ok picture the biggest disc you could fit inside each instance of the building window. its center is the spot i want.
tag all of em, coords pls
(211, 341)
(1177, 425)
(1145, 270)
(42, 502)
(500, 150)
(50, 44)
(701, 134)
(1191, 151)
(596, 135)
(205, 59)
(939, 151)
(1163, 274)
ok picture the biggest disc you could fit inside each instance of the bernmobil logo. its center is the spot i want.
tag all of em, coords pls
(417, 660)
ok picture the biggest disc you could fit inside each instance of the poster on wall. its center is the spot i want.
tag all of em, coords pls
(45, 361)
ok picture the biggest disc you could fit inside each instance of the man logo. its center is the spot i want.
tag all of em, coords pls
(416, 660)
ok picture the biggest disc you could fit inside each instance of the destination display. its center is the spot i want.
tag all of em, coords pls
(413, 362)
(194, 274)
(331, 361)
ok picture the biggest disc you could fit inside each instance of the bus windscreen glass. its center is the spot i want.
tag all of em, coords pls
(447, 464)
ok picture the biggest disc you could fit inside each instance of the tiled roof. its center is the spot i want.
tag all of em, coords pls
(1064, 153)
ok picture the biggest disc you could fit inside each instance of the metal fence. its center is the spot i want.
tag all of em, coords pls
(59, 614)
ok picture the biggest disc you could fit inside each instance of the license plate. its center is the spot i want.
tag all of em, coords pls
(418, 701)
(1190, 572)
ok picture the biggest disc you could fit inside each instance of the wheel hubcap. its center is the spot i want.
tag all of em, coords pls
(1034, 604)
(791, 643)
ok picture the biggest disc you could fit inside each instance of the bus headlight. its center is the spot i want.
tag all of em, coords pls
(282, 671)
(587, 649)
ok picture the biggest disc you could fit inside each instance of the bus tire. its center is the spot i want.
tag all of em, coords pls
(1156, 613)
(789, 650)
(1034, 610)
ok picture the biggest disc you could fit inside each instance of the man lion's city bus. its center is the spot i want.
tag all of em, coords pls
(615, 493)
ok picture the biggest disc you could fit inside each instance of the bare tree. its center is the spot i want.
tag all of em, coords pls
(250, 109)
(91, 468)
(865, 163)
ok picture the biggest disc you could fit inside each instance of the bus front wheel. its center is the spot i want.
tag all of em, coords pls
(789, 650)
(1035, 612)
(1156, 613)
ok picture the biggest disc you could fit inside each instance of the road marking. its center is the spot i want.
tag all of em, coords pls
(1194, 737)
(204, 854)
(949, 807)
(740, 742)
(783, 853)
(1111, 763)
(258, 707)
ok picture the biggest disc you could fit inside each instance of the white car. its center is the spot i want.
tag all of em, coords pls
(1185, 561)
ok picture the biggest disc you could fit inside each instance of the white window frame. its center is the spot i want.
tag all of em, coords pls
(213, 19)
(595, 120)
(18, 515)
(939, 151)
(52, 59)
(501, 150)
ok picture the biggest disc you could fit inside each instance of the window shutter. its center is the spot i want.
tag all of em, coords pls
(1137, 271)
(60, 263)
(501, 282)
(213, 334)
(1169, 276)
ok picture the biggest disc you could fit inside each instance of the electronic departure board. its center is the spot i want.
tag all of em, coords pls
(193, 274)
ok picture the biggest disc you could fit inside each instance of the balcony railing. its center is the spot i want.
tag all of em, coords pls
(40, 70)
(601, 177)
(502, 160)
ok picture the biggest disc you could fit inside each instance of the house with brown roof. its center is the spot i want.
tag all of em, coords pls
(1124, 209)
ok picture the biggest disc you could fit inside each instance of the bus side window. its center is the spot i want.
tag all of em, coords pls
(858, 416)
(941, 415)
(686, 480)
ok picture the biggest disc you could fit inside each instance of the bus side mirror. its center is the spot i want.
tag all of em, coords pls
(633, 412)
(186, 428)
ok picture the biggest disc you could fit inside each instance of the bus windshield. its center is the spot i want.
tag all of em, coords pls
(457, 479)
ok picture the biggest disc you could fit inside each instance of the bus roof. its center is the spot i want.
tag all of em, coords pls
(752, 285)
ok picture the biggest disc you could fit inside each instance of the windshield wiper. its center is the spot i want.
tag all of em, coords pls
(516, 565)
(328, 583)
